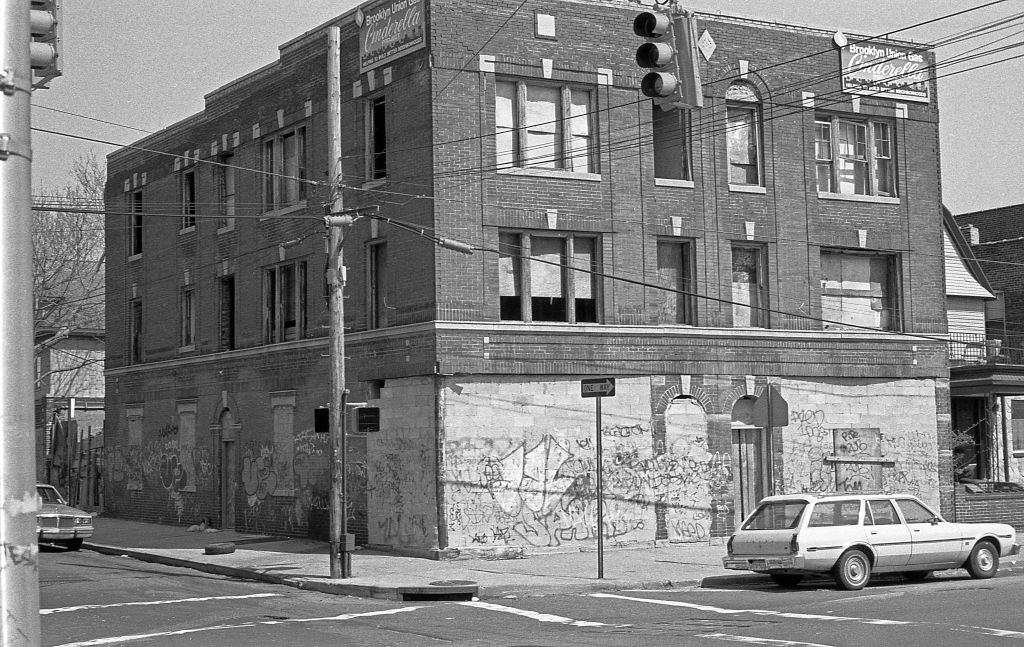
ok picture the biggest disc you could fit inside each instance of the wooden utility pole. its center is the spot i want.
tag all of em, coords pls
(19, 578)
(340, 540)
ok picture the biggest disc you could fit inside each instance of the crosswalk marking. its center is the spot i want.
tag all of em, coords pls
(111, 640)
(759, 612)
(85, 607)
(750, 640)
(534, 615)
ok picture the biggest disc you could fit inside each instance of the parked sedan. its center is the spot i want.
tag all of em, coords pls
(59, 523)
(853, 536)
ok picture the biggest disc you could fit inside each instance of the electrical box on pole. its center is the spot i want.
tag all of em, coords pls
(671, 57)
(45, 47)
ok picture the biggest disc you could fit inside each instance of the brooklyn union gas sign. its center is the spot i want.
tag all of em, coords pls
(884, 70)
(389, 29)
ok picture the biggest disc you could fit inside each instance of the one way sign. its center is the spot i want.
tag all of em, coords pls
(600, 387)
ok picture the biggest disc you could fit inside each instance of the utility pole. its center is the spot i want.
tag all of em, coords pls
(342, 543)
(19, 575)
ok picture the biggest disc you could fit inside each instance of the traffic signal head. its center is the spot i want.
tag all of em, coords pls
(673, 80)
(45, 47)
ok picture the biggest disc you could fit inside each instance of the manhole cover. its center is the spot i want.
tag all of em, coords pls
(453, 583)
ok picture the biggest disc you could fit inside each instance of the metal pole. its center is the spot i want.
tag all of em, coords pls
(19, 579)
(600, 495)
(341, 559)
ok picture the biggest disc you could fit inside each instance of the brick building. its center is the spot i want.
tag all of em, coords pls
(788, 234)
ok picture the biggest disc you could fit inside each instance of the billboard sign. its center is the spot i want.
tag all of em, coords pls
(884, 70)
(388, 30)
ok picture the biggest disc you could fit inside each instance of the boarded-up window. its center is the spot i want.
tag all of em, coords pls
(675, 272)
(857, 291)
(748, 298)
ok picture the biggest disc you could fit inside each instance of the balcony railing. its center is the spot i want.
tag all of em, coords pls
(976, 348)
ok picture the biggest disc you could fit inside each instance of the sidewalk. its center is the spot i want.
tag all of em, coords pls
(305, 564)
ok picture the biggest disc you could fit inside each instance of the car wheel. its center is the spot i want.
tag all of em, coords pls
(853, 570)
(74, 544)
(984, 561)
(786, 580)
(916, 576)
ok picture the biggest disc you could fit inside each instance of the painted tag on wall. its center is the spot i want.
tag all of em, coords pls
(388, 30)
(884, 70)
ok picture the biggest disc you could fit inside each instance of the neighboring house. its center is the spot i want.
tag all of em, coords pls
(70, 411)
(989, 382)
(785, 239)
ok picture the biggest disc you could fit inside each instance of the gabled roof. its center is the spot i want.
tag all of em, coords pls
(963, 250)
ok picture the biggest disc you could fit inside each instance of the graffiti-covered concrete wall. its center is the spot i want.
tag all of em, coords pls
(521, 464)
(520, 458)
(886, 431)
(402, 467)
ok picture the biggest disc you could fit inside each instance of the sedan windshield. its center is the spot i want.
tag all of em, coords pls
(48, 495)
(776, 515)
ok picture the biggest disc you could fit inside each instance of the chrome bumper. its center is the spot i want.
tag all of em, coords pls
(763, 563)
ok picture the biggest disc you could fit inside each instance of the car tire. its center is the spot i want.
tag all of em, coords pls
(786, 580)
(853, 570)
(916, 576)
(74, 544)
(984, 561)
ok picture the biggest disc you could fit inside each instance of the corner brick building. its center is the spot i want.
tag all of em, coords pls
(786, 239)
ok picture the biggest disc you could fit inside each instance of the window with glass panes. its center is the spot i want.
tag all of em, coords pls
(854, 157)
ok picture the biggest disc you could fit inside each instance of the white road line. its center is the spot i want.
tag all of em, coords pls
(758, 612)
(534, 615)
(85, 607)
(750, 640)
(986, 631)
(245, 625)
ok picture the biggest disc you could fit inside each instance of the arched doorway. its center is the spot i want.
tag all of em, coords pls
(690, 462)
(752, 446)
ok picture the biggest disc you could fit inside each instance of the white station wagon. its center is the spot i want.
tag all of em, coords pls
(852, 536)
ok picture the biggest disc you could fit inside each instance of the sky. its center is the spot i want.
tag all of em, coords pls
(141, 66)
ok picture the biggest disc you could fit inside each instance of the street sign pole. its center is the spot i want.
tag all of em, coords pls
(599, 388)
(600, 495)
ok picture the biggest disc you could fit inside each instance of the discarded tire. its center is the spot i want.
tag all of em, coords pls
(222, 548)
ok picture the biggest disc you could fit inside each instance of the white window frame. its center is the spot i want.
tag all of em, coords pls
(572, 131)
(829, 159)
(742, 98)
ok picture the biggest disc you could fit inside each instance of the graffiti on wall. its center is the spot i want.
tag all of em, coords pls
(400, 478)
(161, 466)
(542, 491)
(810, 440)
(280, 492)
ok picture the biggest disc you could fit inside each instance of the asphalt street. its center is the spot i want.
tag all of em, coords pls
(93, 599)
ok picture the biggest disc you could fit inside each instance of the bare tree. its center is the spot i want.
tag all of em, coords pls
(68, 270)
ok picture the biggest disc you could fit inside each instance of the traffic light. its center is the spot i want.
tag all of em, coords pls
(45, 47)
(674, 79)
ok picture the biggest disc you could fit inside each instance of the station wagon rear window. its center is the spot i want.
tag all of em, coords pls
(776, 515)
(835, 513)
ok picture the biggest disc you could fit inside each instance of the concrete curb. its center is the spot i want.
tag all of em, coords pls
(321, 585)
